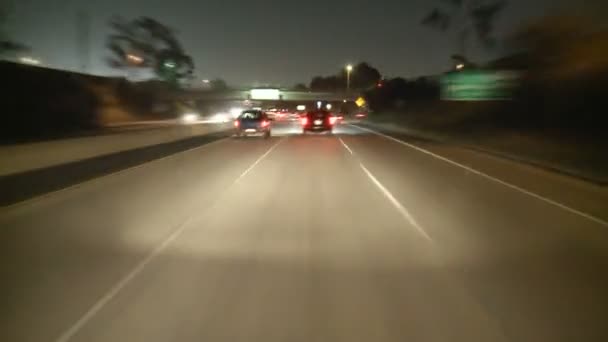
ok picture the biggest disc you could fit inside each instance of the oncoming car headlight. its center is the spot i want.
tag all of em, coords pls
(220, 117)
(235, 112)
(189, 118)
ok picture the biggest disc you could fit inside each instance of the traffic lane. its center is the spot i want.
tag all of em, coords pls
(304, 247)
(540, 270)
(575, 193)
(291, 128)
(59, 253)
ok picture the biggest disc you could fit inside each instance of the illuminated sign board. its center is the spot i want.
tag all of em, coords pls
(265, 94)
(360, 102)
(478, 85)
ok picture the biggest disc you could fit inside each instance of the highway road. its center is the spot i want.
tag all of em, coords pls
(348, 237)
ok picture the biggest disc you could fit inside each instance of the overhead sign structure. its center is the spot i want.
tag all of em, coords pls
(265, 94)
(360, 102)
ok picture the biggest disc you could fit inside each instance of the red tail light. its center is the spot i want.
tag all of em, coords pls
(265, 123)
(332, 120)
(236, 123)
(304, 121)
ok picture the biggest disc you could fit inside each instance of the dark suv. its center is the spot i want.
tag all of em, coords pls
(318, 121)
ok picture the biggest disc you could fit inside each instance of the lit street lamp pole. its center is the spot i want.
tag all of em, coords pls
(349, 69)
(134, 61)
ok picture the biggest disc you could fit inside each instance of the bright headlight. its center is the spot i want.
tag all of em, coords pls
(190, 117)
(220, 117)
(235, 112)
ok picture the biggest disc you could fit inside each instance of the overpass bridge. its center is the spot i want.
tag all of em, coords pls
(234, 101)
(268, 95)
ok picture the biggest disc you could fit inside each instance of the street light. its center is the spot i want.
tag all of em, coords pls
(349, 69)
(29, 60)
(134, 59)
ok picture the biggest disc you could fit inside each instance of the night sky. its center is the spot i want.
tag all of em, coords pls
(262, 42)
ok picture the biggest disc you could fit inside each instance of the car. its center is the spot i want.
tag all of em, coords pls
(318, 121)
(280, 116)
(360, 115)
(253, 122)
(294, 116)
(339, 118)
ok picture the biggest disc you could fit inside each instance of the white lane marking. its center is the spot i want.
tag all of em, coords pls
(114, 290)
(101, 303)
(404, 212)
(97, 179)
(485, 175)
(346, 147)
(258, 161)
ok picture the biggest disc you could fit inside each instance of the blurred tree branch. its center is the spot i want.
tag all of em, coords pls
(148, 44)
(7, 45)
(564, 47)
(466, 17)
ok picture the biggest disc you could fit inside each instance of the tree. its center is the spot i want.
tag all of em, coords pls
(396, 92)
(564, 47)
(363, 76)
(300, 87)
(467, 17)
(329, 83)
(462, 61)
(8, 46)
(218, 84)
(147, 44)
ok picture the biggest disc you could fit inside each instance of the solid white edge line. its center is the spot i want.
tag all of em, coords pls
(485, 175)
(68, 334)
(402, 210)
(97, 179)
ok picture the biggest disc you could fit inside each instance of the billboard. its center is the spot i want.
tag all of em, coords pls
(265, 94)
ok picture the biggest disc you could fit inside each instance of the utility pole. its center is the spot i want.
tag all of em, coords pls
(83, 32)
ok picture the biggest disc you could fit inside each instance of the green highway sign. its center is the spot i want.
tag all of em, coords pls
(478, 85)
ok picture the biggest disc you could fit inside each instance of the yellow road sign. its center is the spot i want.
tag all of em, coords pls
(360, 102)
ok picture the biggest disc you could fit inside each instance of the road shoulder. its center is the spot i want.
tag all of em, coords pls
(571, 192)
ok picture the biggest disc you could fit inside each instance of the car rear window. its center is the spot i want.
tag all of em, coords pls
(318, 114)
(251, 116)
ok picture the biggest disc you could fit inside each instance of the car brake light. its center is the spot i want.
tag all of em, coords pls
(265, 123)
(332, 120)
(304, 121)
(236, 123)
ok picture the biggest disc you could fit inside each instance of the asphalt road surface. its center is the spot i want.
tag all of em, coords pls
(347, 237)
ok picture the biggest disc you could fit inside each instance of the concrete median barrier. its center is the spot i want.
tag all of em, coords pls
(32, 156)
